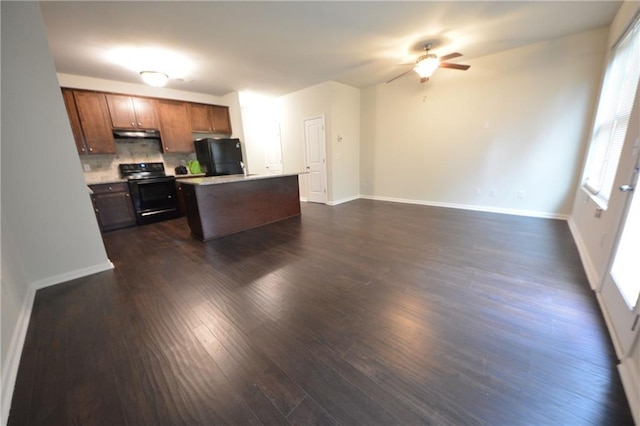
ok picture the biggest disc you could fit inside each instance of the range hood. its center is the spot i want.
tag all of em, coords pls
(136, 134)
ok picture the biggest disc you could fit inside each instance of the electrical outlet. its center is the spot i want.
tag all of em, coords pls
(493, 192)
(521, 194)
(86, 167)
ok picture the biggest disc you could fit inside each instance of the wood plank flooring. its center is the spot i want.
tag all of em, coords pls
(367, 313)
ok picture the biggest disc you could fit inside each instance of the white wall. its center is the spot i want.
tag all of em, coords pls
(344, 143)
(311, 102)
(261, 125)
(232, 100)
(49, 230)
(516, 121)
(340, 106)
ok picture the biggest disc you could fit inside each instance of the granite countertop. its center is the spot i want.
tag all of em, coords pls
(190, 175)
(214, 180)
(104, 181)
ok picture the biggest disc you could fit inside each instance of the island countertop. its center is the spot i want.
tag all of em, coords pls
(215, 180)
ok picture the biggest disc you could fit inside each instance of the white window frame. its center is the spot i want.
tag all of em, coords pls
(613, 115)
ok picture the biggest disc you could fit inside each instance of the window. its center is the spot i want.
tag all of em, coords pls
(612, 119)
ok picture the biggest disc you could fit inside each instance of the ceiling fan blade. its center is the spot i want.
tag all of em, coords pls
(455, 66)
(450, 56)
(401, 75)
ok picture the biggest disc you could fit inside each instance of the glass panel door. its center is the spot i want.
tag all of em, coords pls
(625, 271)
(621, 285)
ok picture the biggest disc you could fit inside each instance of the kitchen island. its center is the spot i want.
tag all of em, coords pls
(217, 206)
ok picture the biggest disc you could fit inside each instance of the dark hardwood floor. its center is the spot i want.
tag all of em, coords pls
(366, 313)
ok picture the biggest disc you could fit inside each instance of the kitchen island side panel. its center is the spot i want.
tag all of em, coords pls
(214, 211)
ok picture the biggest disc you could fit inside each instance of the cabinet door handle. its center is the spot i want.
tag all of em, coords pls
(90, 149)
(139, 124)
(133, 124)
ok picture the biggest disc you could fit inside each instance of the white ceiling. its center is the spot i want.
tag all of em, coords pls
(279, 47)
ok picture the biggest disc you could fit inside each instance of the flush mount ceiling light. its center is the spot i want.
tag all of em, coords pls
(154, 78)
(154, 64)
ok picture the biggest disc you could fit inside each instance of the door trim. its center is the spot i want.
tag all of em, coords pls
(324, 153)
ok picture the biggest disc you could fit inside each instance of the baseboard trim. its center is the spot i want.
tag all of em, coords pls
(343, 200)
(514, 212)
(68, 276)
(12, 362)
(10, 367)
(592, 275)
(631, 384)
(607, 320)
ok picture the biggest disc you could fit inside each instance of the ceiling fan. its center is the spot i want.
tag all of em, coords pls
(426, 64)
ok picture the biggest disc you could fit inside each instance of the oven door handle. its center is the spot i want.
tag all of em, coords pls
(151, 213)
(152, 180)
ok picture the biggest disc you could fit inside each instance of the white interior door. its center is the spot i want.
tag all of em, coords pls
(273, 151)
(621, 286)
(314, 138)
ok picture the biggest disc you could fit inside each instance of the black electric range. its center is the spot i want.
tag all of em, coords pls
(153, 193)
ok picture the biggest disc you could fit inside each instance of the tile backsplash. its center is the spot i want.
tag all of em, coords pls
(104, 168)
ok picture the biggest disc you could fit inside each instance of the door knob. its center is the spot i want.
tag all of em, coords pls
(627, 188)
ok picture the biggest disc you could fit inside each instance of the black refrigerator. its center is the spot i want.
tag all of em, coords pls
(218, 157)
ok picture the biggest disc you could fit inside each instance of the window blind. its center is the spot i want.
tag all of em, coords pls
(613, 115)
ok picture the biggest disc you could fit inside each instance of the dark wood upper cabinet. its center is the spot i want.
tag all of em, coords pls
(146, 112)
(96, 125)
(200, 118)
(94, 115)
(209, 119)
(175, 128)
(220, 119)
(74, 120)
(129, 112)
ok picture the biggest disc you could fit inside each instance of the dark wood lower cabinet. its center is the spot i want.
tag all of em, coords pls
(113, 206)
(220, 209)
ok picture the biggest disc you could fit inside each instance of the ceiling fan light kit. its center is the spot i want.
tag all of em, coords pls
(154, 78)
(428, 63)
(425, 67)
